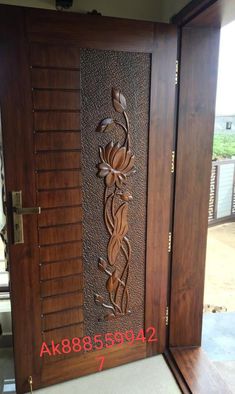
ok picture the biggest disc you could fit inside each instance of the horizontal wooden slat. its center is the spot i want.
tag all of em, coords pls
(58, 179)
(49, 99)
(59, 198)
(54, 56)
(63, 268)
(59, 334)
(60, 319)
(62, 285)
(52, 217)
(55, 79)
(53, 120)
(57, 160)
(57, 140)
(60, 252)
(61, 302)
(60, 234)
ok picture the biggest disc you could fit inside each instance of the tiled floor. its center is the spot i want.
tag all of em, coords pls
(218, 341)
(147, 376)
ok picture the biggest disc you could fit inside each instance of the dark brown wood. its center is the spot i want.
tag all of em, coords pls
(60, 252)
(50, 56)
(169, 358)
(56, 100)
(61, 268)
(57, 335)
(59, 234)
(160, 178)
(63, 318)
(115, 356)
(206, 13)
(47, 161)
(46, 120)
(198, 76)
(49, 180)
(62, 302)
(57, 216)
(200, 374)
(190, 11)
(61, 285)
(55, 79)
(89, 31)
(19, 175)
(59, 198)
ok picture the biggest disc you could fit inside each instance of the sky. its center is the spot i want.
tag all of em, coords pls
(225, 101)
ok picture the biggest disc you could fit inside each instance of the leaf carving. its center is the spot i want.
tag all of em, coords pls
(109, 284)
(119, 101)
(119, 232)
(102, 265)
(103, 125)
(99, 299)
(110, 316)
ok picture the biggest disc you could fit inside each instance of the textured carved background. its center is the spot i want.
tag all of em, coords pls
(129, 72)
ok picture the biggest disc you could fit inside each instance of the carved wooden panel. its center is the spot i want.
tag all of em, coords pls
(116, 165)
(114, 224)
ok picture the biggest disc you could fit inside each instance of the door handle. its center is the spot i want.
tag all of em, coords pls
(18, 212)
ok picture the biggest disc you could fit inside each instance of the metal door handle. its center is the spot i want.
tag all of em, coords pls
(18, 212)
(27, 211)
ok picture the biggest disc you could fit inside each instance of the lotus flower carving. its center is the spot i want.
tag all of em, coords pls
(116, 164)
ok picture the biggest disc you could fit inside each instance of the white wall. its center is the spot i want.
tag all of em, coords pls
(152, 10)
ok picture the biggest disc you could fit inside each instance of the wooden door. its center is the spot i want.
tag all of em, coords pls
(87, 107)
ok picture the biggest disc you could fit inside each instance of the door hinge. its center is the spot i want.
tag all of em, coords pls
(173, 162)
(169, 242)
(176, 72)
(167, 315)
(30, 381)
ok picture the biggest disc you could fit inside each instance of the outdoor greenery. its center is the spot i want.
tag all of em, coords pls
(224, 146)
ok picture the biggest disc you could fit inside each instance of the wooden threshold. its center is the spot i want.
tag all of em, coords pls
(194, 372)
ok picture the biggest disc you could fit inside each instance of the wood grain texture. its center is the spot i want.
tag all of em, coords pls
(198, 77)
(160, 181)
(54, 160)
(207, 13)
(60, 234)
(57, 335)
(86, 31)
(61, 268)
(54, 120)
(61, 285)
(55, 79)
(88, 362)
(17, 126)
(59, 198)
(60, 215)
(60, 252)
(49, 180)
(61, 302)
(63, 318)
(54, 56)
(56, 100)
(200, 374)
(49, 69)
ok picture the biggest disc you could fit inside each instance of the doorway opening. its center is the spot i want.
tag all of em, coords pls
(219, 294)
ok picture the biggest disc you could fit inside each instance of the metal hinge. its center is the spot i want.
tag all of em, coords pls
(169, 242)
(167, 315)
(176, 72)
(173, 162)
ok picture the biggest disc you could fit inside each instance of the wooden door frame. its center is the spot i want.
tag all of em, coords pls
(198, 25)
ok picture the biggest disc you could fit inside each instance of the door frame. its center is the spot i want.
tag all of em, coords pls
(199, 26)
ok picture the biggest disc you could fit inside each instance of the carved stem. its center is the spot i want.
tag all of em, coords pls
(127, 128)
